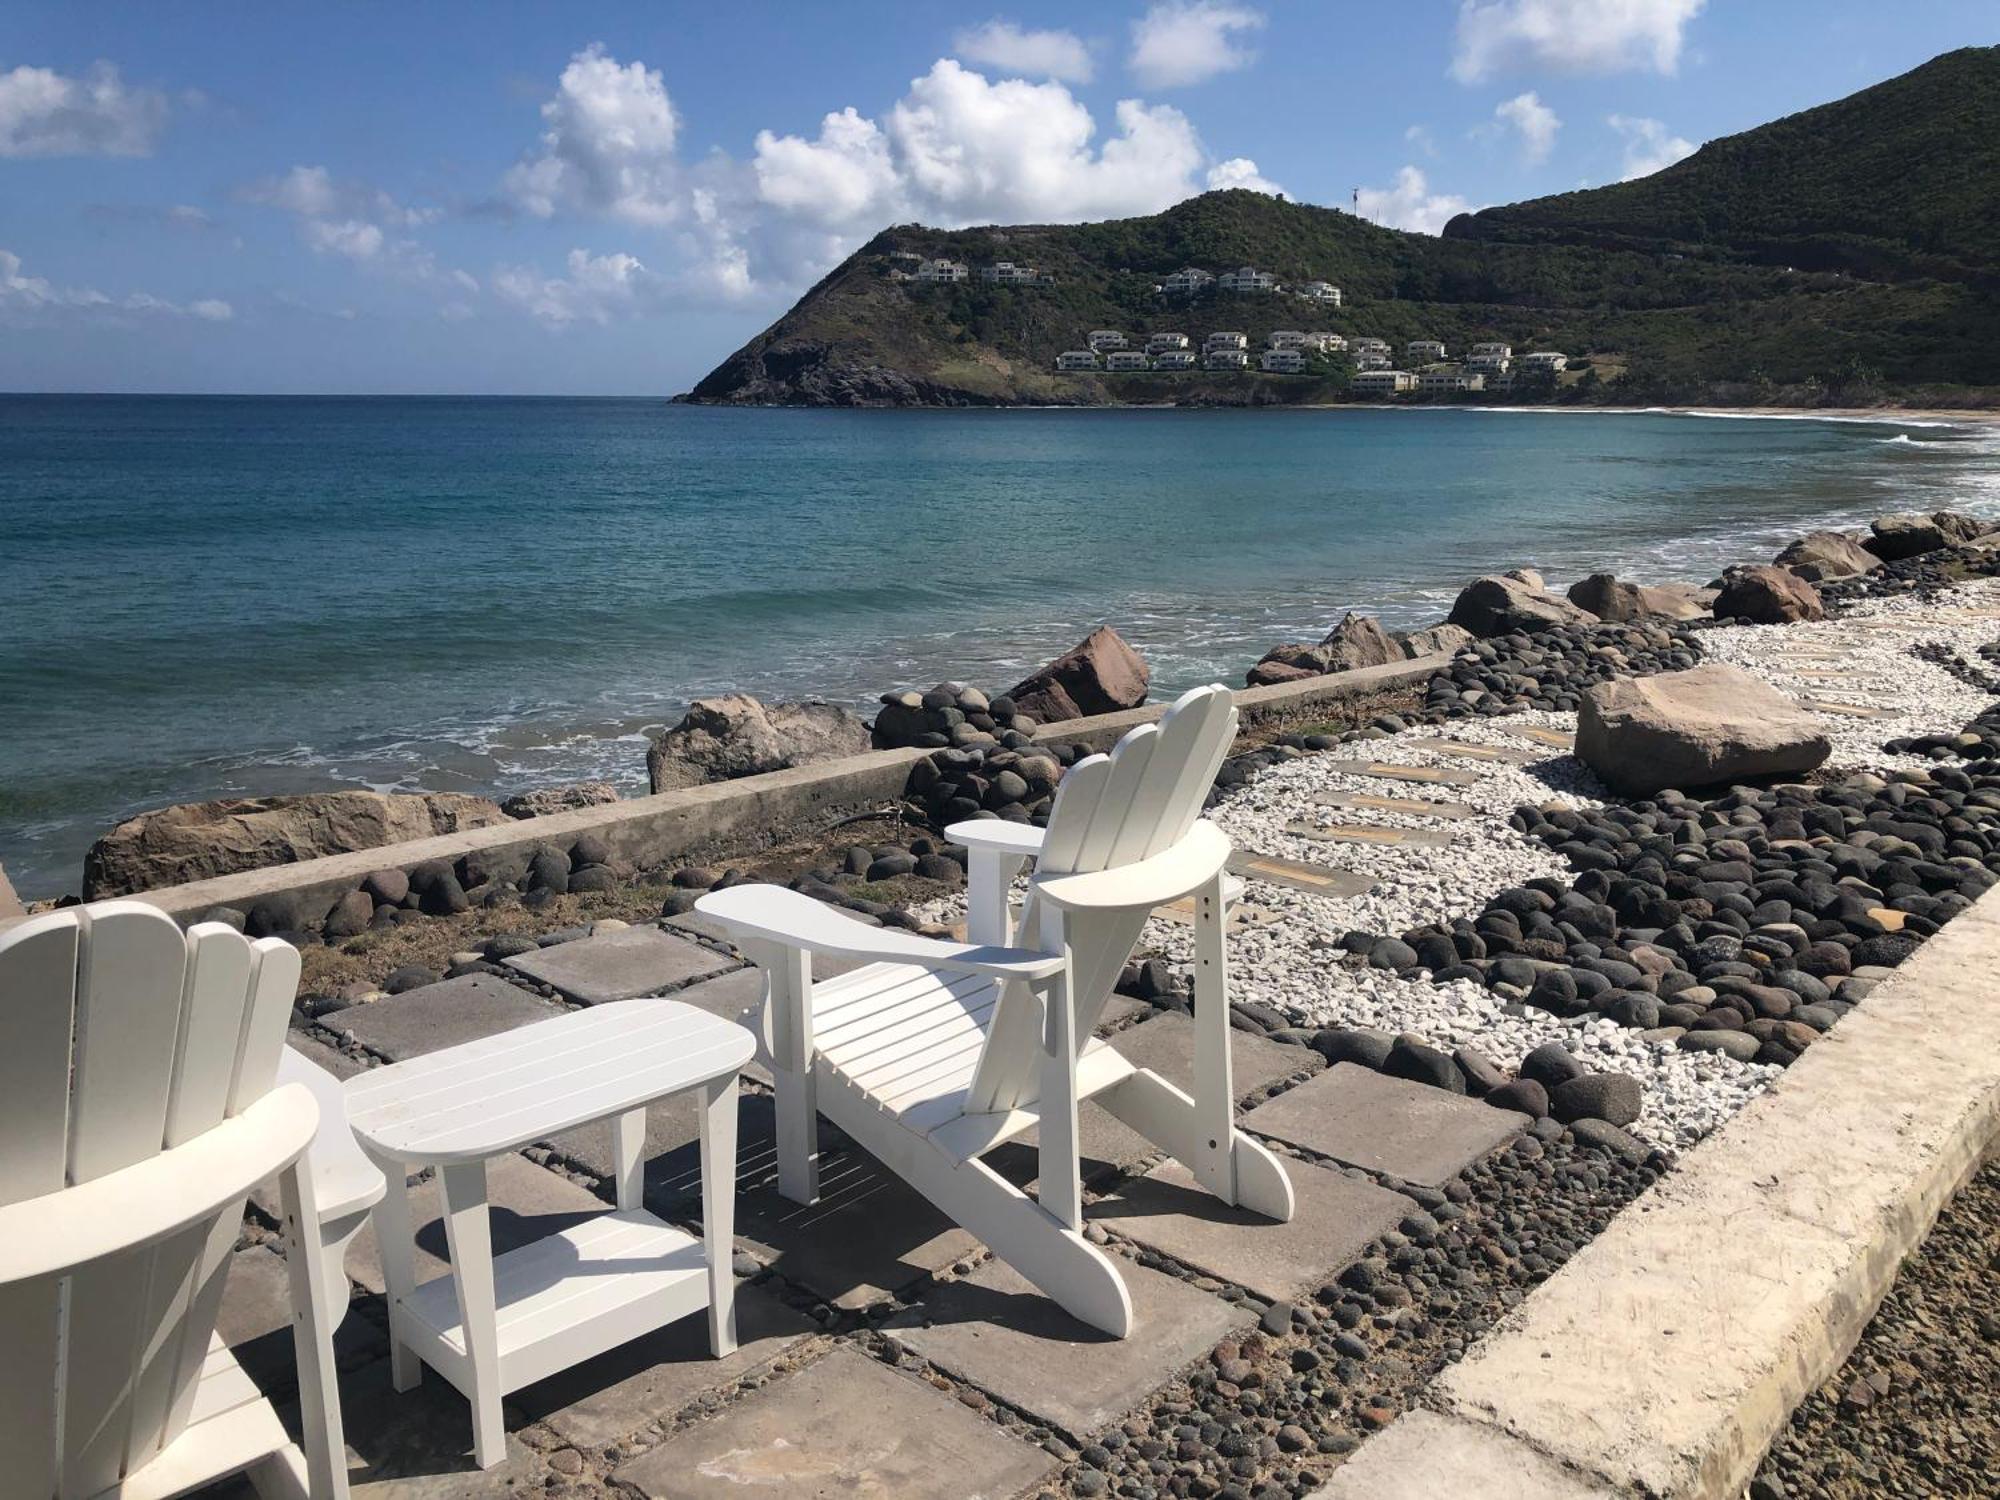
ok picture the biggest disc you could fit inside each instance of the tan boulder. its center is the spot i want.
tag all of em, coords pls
(1357, 641)
(1101, 674)
(554, 799)
(1433, 639)
(1610, 598)
(1767, 596)
(1713, 723)
(200, 840)
(720, 739)
(1503, 602)
(1820, 555)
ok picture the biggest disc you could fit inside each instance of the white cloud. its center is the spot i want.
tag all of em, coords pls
(315, 193)
(596, 287)
(608, 145)
(1648, 146)
(1187, 41)
(35, 299)
(1241, 172)
(844, 176)
(1420, 136)
(1533, 121)
(1570, 36)
(1030, 54)
(351, 238)
(1410, 204)
(44, 113)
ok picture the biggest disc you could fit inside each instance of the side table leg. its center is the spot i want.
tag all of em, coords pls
(472, 1275)
(628, 1158)
(396, 1246)
(718, 1209)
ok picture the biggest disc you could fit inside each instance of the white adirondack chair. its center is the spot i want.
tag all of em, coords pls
(137, 1111)
(938, 1052)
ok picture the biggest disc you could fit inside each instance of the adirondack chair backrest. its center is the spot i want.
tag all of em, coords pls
(120, 1037)
(1109, 810)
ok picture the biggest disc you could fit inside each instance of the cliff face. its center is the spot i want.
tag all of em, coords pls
(1785, 260)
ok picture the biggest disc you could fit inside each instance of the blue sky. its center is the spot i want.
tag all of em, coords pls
(609, 199)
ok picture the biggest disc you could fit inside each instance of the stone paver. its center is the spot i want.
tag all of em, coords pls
(846, 1428)
(1333, 1221)
(1408, 1130)
(673, 1150)
(417, 1445)
(735, 996)
(1243, 914)
(998, 1331)
(1463, 751)
(620, 965)
(256, 1322)
(1424, 1455)
(439, 1015)
(1297, 875)
(605, 1400)
(1418, 807)
(1369, 833)
(526, 1203)
(1425, 775)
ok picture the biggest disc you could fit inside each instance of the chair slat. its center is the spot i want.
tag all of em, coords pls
(212, 1018)
(1126, 784)
(30, 1333)
(175, 1275)
(37, 1012)
(1076, 800)
(129, 981)
(274, 983)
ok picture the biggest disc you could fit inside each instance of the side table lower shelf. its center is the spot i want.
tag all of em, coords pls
(566, 1298)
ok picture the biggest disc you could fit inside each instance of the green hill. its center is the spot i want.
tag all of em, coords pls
(1692, 285)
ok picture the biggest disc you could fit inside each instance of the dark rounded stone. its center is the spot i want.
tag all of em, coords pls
(548, 870)
(1523, 1094)
(409, 977)
(1551, 1065)
(890, 866)
(592, 878)
(507, 945)
(273, 915)
(1424, 1064)
(388, 887)
(696, 877)
(1391, 953)
(940, 867)
(1600, 1096)
(1369, 1048)
(1885, 951)
(589, 850)
(1641, 1011)
(350, 916)
(228, 916)
(443, 896)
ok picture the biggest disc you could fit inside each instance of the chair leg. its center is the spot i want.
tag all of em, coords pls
(718, 1210)
(464, 1189)
(1214, 1086)
(1174, 1122)
(788, 973)
(393, 1243)
(312, 1337)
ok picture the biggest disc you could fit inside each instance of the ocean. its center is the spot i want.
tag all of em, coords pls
(202, 597)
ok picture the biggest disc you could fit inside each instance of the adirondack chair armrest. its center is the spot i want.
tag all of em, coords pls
(1167, 876)
(998, 835)
(345, 1181)
(795, 920)
(137, 1205)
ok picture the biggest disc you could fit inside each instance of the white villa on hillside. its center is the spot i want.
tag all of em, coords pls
(1381, 382)
(1367, 346)
(1102, 339)
(1448, 382)
(1491, 351)
(1487, 364)
(1076, 359)
(1286, 338)
(943, 270)
(1186, 282)
(1371, 361)
(1006, 273)
(1225, 341)
(1226, 359)
(1545, 361)
(1284, 361)
(1126, 360)
(1423, 351)
(1246, 279)
(1174, 359)
(1321, 291)
(1160, 342)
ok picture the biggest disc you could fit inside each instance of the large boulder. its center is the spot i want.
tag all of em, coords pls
(1504, 602)
(1609, 598)
(554, 799)
(1820, 555)
(1714, 723)
(1357, 641)
(1099, 675)
(1767, 596)
(1911, 534)
(719, 739)
(1433, 640)
(200, 840)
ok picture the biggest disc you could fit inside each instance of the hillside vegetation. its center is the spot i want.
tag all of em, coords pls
(1695, 284)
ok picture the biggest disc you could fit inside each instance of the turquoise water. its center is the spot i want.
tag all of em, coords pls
(203, 596)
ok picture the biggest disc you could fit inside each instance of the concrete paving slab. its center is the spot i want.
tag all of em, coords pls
(1554, 738)
(256, 1323)
(526, 1203)
(621, 965)
(1298, 875)
(1416, 807)
(1422, 1455)
(673, 1150)
(1166, 1045)
(1369, 833)
(845, 1428)
(1335, 1219)
(439, 1015)
(605, 1400)
(998, 1331)
(1460, 750)
(417, 1445)
(1426, 775)
(1408, 1130)
(735, 996)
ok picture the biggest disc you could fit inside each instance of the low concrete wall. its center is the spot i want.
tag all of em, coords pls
(740, 816)
(1663, 1360)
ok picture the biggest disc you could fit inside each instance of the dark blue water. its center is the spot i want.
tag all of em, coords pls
(202, 596)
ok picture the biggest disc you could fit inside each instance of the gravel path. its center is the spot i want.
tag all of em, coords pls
(1915, 1411)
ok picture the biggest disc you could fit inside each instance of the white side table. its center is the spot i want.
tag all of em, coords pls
(493, 1326)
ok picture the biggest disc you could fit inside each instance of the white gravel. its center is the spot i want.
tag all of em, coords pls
(1294, 966)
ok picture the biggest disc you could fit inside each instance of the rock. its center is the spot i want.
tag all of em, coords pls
(1603, 595)
(350, 916)
(1421, 1064)
(1820, 555)
(409, 977)
(1909, 534)
(200, 840)
(1738, 1044)
(1551, 1065)
(586, 879)
(1277, 666)
(1523, 1094)
(1433, 639)
(1357, 641)
(548, 870)
(719, 739)
(897, 862)
(1500, 603)
(1767, 596)
(1710, 724)
(1608, 1137)
(387, 887)
(1597, 1096)
(1099, 675)
(554, 799)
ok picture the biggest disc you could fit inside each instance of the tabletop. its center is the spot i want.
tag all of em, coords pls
(482, 1098)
